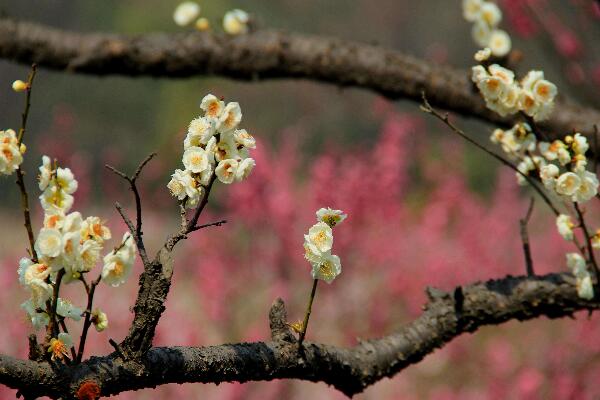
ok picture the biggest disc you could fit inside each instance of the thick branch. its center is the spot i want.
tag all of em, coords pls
(265, 55)
(349, 370)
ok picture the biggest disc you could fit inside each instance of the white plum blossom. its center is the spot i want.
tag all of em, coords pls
(483, 54)
(99, 319)
(38, 318)
(118, 264)
(66, 309)
(235, 22)
(244, 169)
(184, 185)
(195, 159)
(59, 346)
(45, 173)
(548, 175)
(567, 184)
(226, 171)
(588, 187)
(327, 268)
(499, 43)
(578, 267)
(212, 106)
(576, 263)
(230, 118)
(10, 152)
(321, 235)
(472, 9)
(585, 287)
(565, 226)
(49, 243)
(200, 131)
(331, 217)
(243, 138)
(186, 13)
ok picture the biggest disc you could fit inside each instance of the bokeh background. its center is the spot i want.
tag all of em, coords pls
(424, 208)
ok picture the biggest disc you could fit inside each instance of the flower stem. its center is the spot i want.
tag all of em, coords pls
(20, 173)
(308, 309)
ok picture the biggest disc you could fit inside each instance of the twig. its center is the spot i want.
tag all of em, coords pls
(137, 230)
(426, 107)
(88, 319)
(588, 240)
(52, 325)
(525, 239)
(308, 311)
(118, 349)
(20, 173)
(217, 223)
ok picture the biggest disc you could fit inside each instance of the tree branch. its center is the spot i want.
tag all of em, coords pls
(349, 370)
(267, 55)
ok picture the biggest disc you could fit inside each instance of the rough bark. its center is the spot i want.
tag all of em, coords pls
(350, 370)
(267, 55)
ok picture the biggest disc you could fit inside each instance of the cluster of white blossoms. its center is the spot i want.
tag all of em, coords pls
(577, 264)
(70, 245)
(533, 95)
(235, 22)
(11, 153)
(486, 16)
(318, 243)
(214, 145)
(569, 179)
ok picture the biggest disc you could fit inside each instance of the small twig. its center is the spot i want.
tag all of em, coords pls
(308, 311)
(137, 230)
(202, 204)
(20, 173)
(125, 217)
(426, 107)
(218, 223)
(588, 240)
(88, 319)
(52, 325)
(525, 239)
(118, 349)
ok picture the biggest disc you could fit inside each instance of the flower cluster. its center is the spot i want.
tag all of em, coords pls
(574, 183)
(235, 22)
(214, 149)
(486, 16)
(577, 264)
(11, 153)
(67, 245)
(318, 243)
(533, 95)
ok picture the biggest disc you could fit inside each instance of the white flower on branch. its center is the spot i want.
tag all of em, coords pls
(321, 235)
(66, 309)
(119, 263)
(59, 346)
(565, 226)
(327, 268)
(99, 319)
(10, 152)
(331, 217)
(186, 13)
(226, 171)
(235, 22)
